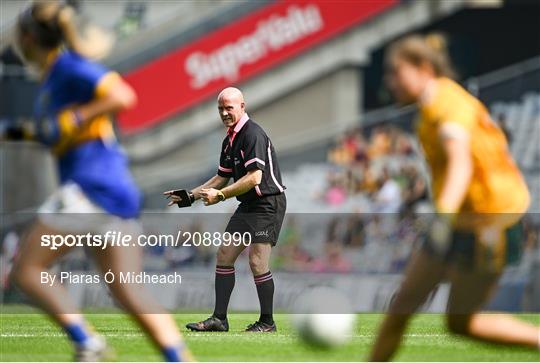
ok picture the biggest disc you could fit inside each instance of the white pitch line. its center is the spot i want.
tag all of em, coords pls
(27, 335)
(204, 335)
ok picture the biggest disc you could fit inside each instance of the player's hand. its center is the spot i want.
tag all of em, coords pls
(12, 131)
(210, 196)
(61, 126)
(8, 131)
(440, 233)
(490, 236)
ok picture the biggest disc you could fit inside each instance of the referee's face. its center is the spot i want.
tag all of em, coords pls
(231, 110)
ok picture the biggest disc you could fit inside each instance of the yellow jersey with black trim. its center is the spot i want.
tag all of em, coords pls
(497, 185)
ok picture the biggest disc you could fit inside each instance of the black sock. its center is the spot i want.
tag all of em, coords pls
(224, 288)
(265, 290)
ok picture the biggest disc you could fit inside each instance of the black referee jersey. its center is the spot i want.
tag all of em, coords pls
(246, 148)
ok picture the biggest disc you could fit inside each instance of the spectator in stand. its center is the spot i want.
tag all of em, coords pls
(355, 231)
(333, 260)
(369, 181)
(132, 19)
(336, 193)
(291, 256)
(403, 145)
(388, 198)
(380, 143)
(355, 145)
(340, 154)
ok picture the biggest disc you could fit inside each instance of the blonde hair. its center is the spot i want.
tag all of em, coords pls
(52, 25)
(417, 50)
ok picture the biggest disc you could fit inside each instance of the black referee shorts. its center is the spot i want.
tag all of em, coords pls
(261, 218)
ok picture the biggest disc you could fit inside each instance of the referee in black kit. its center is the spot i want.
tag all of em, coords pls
(247, 155)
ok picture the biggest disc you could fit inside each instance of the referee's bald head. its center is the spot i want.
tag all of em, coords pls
(231, 106)
(231, 93)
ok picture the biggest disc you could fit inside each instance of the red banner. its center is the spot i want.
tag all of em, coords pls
(236, 52)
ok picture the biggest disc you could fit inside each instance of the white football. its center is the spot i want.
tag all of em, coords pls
(324, 317)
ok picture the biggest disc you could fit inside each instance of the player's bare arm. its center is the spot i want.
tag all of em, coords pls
(459, 169)
(119, 96)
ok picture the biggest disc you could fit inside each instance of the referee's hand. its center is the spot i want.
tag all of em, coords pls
(210, 196)
(173, 199)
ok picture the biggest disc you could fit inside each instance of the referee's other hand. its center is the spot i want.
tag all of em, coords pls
(209, 196)
(173, 199)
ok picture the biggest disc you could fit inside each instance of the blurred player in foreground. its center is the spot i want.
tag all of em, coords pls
(479, 194)
(72, 112)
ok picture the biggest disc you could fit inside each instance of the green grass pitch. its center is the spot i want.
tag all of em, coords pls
(33, 337)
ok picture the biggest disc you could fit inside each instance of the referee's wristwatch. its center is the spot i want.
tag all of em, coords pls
(191, 197)
(221, 196)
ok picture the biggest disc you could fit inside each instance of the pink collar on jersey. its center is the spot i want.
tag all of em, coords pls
(238, 127)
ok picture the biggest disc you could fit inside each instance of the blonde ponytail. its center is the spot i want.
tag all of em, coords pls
(436, 41)
(417, 50)
(95, 43)
(440, 58)
(53, 24)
